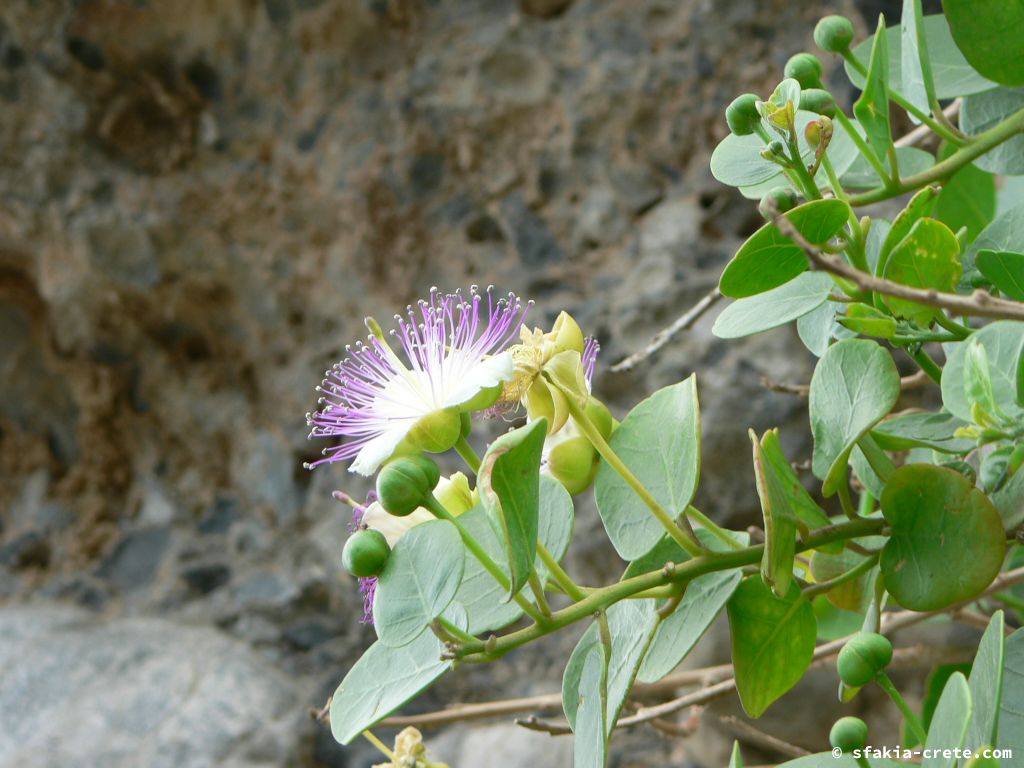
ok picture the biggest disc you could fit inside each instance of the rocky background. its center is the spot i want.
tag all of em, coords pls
(199, 202)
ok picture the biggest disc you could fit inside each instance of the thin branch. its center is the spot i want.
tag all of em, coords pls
(662, 337)
(741, 729)
(913, 381)
(978, 304)
(922, 133)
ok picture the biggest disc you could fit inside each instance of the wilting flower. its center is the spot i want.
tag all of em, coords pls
(454, 494)
(455, 361)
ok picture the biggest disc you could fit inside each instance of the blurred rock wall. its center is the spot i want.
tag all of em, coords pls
(199, 202)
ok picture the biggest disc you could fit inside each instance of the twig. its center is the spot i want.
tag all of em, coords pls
(978, 304)
(741, 729)
(920, 134)
(912, 381)
(662, 337)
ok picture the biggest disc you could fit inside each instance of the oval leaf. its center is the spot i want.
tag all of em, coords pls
(855, 384)
(947, 541)
(1005, 270)
(928, 257)
(986, 685)
(660, 443)
(419, 581)
(983, 30)
(384, 678)
(772, 642)
(590, 745)
(775, 307)
(769, 259)
(949, 723)
(985, 110)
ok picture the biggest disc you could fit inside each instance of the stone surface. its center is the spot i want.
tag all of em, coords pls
(80, 691)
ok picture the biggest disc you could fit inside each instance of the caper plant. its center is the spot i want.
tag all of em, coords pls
(913, 513)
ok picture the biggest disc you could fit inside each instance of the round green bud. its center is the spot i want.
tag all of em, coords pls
(863, 658)
(775, 150)
(818, 101)
(573, 463)
(365, 553)
(403, 484)
(599, 414)
(805, 68)
(742, 115)
(849, 734)
(834, 34)
(781, 199)
(436, 432)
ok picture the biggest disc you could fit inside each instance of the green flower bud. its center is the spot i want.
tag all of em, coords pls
(742, 115)
(834, 34)
(818, 101)
(775, 151)
(782, 199)
(365, 553)
(436, 432)
(863, 658)
(849, 734)
(805, 68)
(599, 414)
(573, 463)
(403, 483)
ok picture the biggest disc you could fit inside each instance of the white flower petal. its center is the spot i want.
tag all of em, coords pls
(390, 525)
(489, 372)
(380, 449)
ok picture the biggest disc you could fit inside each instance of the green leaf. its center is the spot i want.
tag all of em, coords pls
(1006, 233)
(384, 678)
(872, 108)
(1009, 501)
(419, 581)
(817, 327)
(1010, 194)
(769, 259)
(786, 506)
(854, 595)
(968, 200)
(1005, 270)
(928, 257)
(985, 110)
(934, 685)
(772, 642)
(949, 723)
(509, 490)
(952, 74)
(855, 384)
(1011, 708)
(947, 541)
(922, 430)
(876, 238)
(985, 31)
(659, 440)
(920, 206)
(773, 308)
(861, 175)
(590, 744)
(978, 380)
(631, 626)
(915, 66)
(704, 599)
(479, 593)
(986, 685)
(1003, 341)
(736, 759)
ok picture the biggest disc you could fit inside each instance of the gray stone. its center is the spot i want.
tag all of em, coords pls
(136, 558)
(533, 240)
(81, 692)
